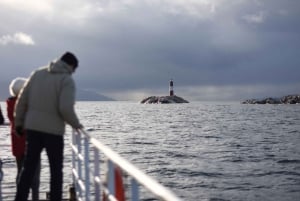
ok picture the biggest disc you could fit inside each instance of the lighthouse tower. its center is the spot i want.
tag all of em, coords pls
(171, 88)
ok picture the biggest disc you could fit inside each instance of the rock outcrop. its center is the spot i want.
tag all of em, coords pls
(163, 99)
(289, 99)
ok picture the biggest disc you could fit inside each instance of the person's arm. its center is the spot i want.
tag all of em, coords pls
(67, 102)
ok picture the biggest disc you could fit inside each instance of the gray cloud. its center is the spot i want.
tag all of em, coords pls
(134, 47)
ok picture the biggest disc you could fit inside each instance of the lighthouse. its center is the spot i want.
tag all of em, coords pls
(171, 90)
(171, 98)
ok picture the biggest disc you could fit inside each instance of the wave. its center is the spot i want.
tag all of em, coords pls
(289, 161)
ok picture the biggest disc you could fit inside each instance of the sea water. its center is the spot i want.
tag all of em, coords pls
(201, 151)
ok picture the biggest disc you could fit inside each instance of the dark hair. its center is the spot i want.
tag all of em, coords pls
(70, 59)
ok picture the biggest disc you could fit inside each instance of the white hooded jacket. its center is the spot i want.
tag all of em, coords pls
(47, 100)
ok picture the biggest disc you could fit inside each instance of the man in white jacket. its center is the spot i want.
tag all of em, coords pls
(44, 106)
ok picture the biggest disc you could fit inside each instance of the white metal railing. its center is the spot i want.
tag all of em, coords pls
(86, 162)
(1, 177)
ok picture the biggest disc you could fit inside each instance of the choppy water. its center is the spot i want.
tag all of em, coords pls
(201, 151)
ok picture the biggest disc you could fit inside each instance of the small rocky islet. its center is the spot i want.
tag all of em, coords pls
(163, 99)
(171, 98)
(289, 99)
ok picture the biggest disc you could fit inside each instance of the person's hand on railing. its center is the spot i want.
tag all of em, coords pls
(80, 127)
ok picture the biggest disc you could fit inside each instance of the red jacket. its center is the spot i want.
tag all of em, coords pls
(18, 143)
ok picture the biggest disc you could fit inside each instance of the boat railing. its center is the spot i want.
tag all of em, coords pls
(1, 177)
(88, 156)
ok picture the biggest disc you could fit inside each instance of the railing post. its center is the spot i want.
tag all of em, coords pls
(74, 157)
(134, 190)
(79, 162)
(86, 168)
(1, 177)
(97, 179)
(111, 178)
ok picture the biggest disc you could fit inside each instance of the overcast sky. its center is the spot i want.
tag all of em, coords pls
(129, 49)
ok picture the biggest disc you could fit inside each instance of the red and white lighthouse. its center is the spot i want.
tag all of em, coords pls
(171, 90)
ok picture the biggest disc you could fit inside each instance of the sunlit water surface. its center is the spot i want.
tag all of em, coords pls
(201, 151)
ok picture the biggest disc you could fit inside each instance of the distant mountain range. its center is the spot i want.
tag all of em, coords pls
(81, 95)
(85, 95)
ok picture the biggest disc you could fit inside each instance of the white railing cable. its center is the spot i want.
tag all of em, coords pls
(114, 159)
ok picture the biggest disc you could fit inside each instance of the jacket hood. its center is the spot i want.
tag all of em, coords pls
(16, 85)
(60, 66)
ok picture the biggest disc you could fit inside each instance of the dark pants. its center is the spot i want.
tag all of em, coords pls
(36, 178)
(54, 145)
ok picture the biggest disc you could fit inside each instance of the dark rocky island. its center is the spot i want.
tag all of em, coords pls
(164, 99)
(289, 99)
(172, 98)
